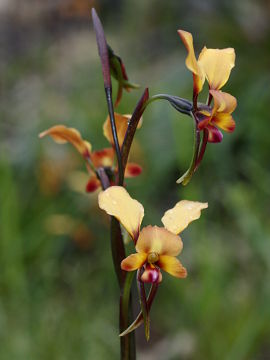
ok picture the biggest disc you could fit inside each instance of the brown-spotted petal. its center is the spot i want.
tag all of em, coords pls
(117, 202)
(62, 134)
(172, 265)
(132, 170)
(217, 65)
(133, 262)
(103, 157)
(191, 62)
(158, 240)
(184, 212)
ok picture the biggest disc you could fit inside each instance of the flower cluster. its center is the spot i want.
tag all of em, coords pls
(156, 247)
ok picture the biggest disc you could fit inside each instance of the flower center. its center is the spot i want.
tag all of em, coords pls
(152, 257)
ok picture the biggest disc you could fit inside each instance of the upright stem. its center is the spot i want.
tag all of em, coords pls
(108, 92)
(127, 343)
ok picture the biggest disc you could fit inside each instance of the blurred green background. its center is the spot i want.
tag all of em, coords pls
(58, 292)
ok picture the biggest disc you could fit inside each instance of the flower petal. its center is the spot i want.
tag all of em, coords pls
(151, 275)
(62, 134)
(132, 170)
(191, 62)
(217, 65)
(224, 121)
(121, 123)
(103, 157)
(172, 266)
(93, 184)
(223, 102)
(133, 262)
(117, 202)
(183, 213)
(214, 135)
(158, 240)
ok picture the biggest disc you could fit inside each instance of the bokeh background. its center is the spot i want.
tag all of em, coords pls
(58, 292)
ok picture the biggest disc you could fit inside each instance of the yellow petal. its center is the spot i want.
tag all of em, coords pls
(117, 202)
(158, 240)
(103, 157)
(62, 134)
(223, 102)
(121, 123)
(178, 218)
(191, 62)
(217, 65)
(224, 121)
(172, 266)
(133, 262)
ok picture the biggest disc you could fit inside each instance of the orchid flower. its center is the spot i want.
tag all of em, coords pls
(157, 247)
(214, 66)
(96, 159)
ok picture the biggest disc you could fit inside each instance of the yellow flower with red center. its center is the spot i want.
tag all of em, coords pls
(100, 158)
(214, 66)
(157, 247)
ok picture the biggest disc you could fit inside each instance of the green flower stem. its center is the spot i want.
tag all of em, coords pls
(184, 179)
(128, 347)
(139, 319)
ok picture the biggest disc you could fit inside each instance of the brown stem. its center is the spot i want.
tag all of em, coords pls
(132, 126)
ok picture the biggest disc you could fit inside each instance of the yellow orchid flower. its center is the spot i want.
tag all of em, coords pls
(101, 158)
(157, 247)
(214, 65)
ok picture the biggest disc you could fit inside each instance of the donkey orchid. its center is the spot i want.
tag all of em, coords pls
(157, 247)
(96, 159)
